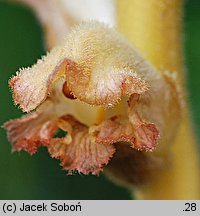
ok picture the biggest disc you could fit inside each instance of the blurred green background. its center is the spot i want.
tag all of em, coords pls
(39, 176)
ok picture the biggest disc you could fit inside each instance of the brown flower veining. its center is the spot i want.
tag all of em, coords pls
(94, 67)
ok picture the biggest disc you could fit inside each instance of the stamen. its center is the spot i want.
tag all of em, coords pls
(67, 92)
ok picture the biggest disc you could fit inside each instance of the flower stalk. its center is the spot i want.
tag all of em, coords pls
(155, 28)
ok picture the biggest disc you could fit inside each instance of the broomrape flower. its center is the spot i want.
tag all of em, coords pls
(112, 105)
(94, 68)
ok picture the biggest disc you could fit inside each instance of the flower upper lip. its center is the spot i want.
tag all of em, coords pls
(106, 70)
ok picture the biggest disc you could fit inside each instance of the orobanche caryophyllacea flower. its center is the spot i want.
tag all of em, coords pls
(94, 70)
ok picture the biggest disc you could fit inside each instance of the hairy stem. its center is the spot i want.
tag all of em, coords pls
(155, 28)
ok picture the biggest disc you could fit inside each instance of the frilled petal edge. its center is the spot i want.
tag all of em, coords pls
(30, 132)
(77, 150)
(85, 149)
